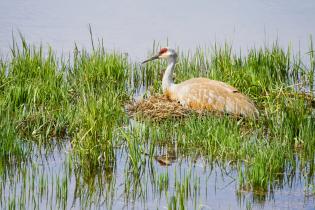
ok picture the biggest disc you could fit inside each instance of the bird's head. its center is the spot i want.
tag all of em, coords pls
(165, 53)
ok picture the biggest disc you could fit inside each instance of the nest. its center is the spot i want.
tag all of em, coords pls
(157, 108)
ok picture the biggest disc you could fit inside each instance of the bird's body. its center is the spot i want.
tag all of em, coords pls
(212, 95)
(203, 93)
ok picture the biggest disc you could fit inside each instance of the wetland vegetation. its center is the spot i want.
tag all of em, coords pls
(49, 105)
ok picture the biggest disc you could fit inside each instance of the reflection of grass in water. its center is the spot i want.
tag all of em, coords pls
(43, 97)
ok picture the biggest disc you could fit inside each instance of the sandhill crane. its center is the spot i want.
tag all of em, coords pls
(203, 93)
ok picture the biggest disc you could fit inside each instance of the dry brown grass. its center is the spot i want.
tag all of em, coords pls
(157, 107)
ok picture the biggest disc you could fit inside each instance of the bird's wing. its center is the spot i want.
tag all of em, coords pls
(200, 93)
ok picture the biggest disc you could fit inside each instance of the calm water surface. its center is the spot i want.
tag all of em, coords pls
(132, 26)
(51, 182)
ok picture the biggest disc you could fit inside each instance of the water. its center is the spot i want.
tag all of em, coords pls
(132, 26)
(52, 181)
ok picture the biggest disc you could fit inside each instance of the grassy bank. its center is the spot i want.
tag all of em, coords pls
(43, 97)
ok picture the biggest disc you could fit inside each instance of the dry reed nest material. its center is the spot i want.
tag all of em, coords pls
(157, 107)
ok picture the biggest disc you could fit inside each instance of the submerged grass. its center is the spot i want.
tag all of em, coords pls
(44, 98)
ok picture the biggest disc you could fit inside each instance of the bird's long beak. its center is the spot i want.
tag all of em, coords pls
(151, 59)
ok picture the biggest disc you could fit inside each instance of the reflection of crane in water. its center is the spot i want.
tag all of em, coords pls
(203, 93)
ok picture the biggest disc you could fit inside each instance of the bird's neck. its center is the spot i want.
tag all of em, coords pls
(167, 80)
